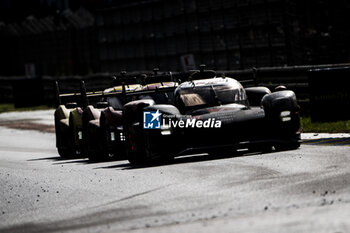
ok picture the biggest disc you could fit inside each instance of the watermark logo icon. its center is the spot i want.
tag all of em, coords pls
(151, 120)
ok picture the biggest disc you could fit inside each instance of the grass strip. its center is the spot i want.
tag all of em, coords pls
(8, 107)
(324, 127)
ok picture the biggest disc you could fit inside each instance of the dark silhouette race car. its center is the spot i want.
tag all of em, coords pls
(75, 111)
(106, 134)
(68, 123)
(212, 114)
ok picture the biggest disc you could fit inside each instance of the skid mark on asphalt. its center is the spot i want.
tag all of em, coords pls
(328, 141)
(135, 195)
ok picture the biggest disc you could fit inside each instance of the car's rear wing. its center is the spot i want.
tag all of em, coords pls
(76, 97)
(158, 78)
(82, 97)
(143, 78)
(123, 78)
(126, 94)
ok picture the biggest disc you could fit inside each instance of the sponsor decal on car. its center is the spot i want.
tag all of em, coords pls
(155, 120)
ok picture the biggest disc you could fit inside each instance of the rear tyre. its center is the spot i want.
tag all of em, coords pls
(137, 158)
(144, 155)
(92, 156)
(99, 156)
(287, 146)
(66, 153)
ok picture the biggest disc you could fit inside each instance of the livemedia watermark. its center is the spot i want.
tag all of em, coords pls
(157, 120)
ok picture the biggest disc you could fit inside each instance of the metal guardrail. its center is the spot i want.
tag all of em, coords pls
(294, 77)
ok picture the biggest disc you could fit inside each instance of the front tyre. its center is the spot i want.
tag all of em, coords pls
(140, 154)
(138, 157)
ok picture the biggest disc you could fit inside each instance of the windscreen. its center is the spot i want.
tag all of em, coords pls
(211, 96)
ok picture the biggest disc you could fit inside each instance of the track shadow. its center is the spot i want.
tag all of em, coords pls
(56, 158)
(60, 161)
(87, 161)
(123, 165)
(192, 158)
(76, 161)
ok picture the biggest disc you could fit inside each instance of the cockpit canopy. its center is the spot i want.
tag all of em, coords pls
(204, 93)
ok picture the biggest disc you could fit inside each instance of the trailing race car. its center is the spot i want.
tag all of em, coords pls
(94, 127)
(212, 114)
(68, 123)
(71, 121)
(109, 137)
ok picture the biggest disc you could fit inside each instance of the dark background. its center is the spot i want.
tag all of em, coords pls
(76, 37)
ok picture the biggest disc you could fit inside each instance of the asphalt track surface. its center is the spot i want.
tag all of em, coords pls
(304, 190)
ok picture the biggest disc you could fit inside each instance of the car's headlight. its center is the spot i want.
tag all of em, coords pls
(285, 116)
(165, 130)
(112, 136)
(80, 135)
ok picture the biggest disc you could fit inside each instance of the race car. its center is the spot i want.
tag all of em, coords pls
(110, 143)
(212, 114)
(95, 127)
(68, 123)
(71, 118)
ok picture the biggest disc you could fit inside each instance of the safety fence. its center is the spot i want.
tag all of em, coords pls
(40, 90)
